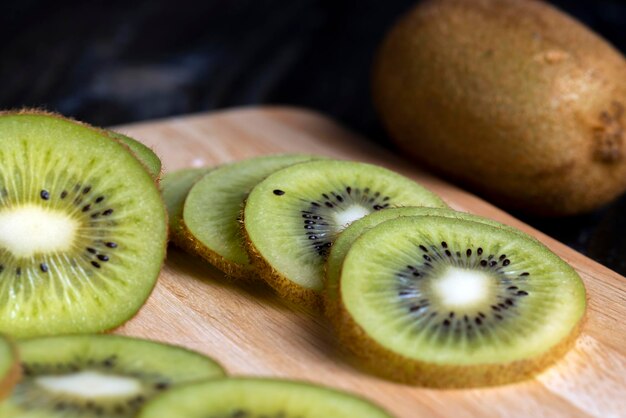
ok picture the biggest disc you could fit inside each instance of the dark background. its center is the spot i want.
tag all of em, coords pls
(113, 62)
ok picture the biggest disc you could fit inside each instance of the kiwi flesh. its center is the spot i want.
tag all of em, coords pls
(144, 154)
(293, 216)
(345, 240)
(175, 187)
(212, 211)
(9, 367)
(256, 398)
(445, 302)
(512, 98)
(82, 228)
(103, 376)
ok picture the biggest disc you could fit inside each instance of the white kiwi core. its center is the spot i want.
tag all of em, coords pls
(90, 384)
(345, 217)
(463, 288)
(28, 230)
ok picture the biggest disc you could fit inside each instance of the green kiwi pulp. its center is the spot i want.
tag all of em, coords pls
(258, 398)
(212, 211)
(447, 302)
(292, 218)
(82, 228)
(103, 376)
(345, 240)
(175, 187)
(145, 155)
(9, 367)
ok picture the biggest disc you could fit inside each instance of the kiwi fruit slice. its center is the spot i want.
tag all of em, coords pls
(345, 240)
(9, 367)
(175, 187)
(446, 302)
(102, 376)
(82, 228)
(256, 397)
(212, 211)
(145, 155)
(292, 218)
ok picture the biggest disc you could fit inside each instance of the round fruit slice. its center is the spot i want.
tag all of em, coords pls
(293, 217)
(345, 240)
(247, 397)
(175, 187)
(9, 367)
(145, 155)
(450, 303)
(82, 228)
(212, 213)
(99, 376)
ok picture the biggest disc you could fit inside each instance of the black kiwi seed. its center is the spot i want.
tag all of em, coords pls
(506, 262)
(468, 252)
(45, 195)
(107, 212)
(87, 189)
(479, 251)
(444, 244)
(63, 194)
(91, 250)
(423, 248)
(279, 192)
(86, 208)
(103, 257)
(99, 199)
(95, 264)
(43, 267)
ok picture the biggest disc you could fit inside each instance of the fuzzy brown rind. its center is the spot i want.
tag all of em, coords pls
(511, 98)
(383, 362)
(14, 375)
(185, 239)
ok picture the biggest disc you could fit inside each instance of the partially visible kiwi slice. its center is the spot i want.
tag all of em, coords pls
(175, 187)
(345, 240)
(212, 212)
(82, 228)
(258, 398)
(145, 155)
(292, 218)
(446, 302)
(102, 376)
(9, 367)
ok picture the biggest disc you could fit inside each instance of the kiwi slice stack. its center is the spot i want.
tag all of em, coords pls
(293, 216)
(450, 302)
(82, 227)
(175, 187)
(255, 397)
(212, 211)
(99, 376)
(9, 367)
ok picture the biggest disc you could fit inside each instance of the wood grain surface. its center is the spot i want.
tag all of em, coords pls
(251, 332)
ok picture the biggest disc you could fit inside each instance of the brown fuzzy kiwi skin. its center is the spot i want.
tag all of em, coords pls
(185, 239)
(382, 362)
(40, 112)
(13, 377)
(285, 288)
(511, 98)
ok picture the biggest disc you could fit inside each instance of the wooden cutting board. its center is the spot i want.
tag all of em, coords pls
(252, 332)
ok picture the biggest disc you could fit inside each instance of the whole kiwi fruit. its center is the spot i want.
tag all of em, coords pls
(512, 98)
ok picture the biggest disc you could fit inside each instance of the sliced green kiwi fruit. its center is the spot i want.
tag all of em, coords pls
(82, 228)
(446, 302)
(9, 367)
(258, 398)
(345, 240)
(144, 154)
(292, 218)
(103, 376)
(212, 212)
(175, 187)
